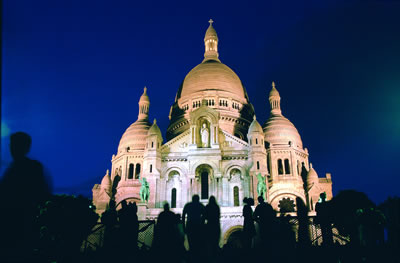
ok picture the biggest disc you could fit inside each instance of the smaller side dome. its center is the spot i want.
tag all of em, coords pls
(135, 136)
(255, 126)
(106, 182)
(154, 129)
(312, 177)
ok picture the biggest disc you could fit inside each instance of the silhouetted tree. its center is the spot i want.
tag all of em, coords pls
(64, 222)
(344, 207)
(391, 210)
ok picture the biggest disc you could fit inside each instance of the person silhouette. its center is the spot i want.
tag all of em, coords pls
(194, 225)
(303, 231)
(17, 234)
(109, 219)
(213, 229)
(167, 236)
(323, 218)
(248, 223)
(265, 216)
(129, 224)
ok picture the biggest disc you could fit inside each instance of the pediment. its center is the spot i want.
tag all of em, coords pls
(177, 144)
(228, 142)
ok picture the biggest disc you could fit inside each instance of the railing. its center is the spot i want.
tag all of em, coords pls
(316, 233)
(95, 239)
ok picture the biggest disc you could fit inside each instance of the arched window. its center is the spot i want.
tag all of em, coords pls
(280, 166)
(256, 141)
(137, 171)
(130, 171)
(258, 165)
(287, 166)
(236, 196)
(151, 168)
(204, 185)
(152, 144)
(173, 198)
(269, 168)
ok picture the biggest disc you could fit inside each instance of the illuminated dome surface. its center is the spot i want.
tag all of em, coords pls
(279, 130)
(135, 136)
(213, 75)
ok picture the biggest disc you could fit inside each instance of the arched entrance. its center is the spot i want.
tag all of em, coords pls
(204, 185)
(233, 236)
(204, 174)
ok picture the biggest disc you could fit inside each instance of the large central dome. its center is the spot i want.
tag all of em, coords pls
(221, 89)
(212, 75)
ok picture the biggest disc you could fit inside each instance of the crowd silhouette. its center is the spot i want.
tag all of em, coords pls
(36, 226)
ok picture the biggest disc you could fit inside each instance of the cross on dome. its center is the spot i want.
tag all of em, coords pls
(210, 21)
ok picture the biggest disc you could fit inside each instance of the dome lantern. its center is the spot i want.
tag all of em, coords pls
(211, 43)
(144, 105)
(278, 130)
(134, 138)
(275, 100)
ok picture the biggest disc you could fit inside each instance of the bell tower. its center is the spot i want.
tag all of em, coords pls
(211, 44)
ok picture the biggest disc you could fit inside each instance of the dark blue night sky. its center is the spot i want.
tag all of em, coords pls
(73, 71)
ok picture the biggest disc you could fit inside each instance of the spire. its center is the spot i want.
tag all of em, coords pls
(144, 105)
(275, 100)
(211, 43)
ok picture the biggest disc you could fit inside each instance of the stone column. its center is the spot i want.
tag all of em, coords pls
(254, 180)
(225, 191)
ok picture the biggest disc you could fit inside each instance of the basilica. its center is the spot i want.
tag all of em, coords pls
(214, 146)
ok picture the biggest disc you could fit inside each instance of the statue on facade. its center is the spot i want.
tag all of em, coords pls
(261, 185)
(144, 190)
(204, 136)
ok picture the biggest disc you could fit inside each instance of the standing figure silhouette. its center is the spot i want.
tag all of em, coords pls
(265, 216)
(18, 210)
(249, 230)
(213, 229)
(194, 226)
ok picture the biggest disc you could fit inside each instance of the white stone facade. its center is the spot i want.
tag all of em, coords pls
(223, 161)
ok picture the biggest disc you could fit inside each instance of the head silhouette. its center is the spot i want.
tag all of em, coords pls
(166, 206)
(250, 201)
(246, 200)
(212, 200)
(260, 199)
(20, 144)
(195, 199)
